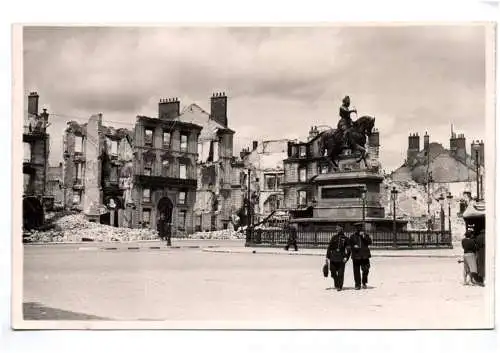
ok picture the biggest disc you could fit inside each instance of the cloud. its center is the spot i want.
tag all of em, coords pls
(282, 80)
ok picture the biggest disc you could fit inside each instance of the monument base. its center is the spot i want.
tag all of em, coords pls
(330, 225)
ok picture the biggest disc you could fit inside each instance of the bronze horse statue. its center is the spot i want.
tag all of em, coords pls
(332, 142)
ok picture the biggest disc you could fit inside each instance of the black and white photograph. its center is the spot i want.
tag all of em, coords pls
(334, 176)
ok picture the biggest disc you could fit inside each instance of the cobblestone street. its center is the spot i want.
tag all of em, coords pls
(186, 284)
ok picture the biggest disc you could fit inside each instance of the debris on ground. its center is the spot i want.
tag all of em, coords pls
(225, 234)
(76, 228)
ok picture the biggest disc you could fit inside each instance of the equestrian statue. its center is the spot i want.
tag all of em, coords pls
(349, 134)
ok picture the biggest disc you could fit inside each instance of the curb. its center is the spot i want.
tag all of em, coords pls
(138, 248)
(255, 251)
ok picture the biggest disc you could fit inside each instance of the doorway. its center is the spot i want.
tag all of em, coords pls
(165, 208)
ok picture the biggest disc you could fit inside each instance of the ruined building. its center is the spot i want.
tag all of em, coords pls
(36, 149)
(94, 156)
(163, 179)
(213, 206)
(55, 184)
(265, 161)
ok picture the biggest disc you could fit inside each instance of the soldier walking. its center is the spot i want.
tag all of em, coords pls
(338, 254)
(359, 243)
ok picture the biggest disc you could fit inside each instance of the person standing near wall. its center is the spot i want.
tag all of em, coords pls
(480, 255)
(338, 254)
(359, 243)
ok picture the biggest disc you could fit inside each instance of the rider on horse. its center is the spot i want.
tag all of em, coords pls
(345, 123)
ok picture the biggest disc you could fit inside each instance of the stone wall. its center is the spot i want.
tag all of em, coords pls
(92, 196)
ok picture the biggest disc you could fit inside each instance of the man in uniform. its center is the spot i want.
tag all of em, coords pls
(345, 122)
(359, 243)
(338, 254)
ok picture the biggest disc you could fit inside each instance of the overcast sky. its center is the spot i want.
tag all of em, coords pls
(279, 81)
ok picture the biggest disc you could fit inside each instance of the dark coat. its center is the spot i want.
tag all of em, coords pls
(480, 254)
(359, 246)
(338, 248)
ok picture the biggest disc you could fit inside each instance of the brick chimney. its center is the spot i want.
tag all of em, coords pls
(218, 108)
(168, 108)
(33, 103)
(426, 142)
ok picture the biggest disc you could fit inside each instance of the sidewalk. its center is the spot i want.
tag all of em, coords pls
(431, 253)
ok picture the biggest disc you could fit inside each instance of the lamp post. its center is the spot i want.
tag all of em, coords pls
(449, 197)
(363, 199)
(394, 196)
(441, 203)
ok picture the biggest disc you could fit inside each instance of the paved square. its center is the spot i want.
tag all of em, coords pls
(276, 291)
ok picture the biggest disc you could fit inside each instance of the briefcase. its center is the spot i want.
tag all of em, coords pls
(325, 269)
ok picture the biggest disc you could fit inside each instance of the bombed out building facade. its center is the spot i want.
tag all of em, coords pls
(213, 206)
(36, 147)
(94, 157)
(164, 170)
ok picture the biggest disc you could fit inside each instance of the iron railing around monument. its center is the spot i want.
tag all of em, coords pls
(277, 237)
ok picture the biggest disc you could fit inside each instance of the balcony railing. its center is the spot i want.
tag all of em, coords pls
(159, 181)
(33, 129)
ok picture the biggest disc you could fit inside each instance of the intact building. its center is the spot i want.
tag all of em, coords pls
(164, 169)
(35, 163)
(433, 163)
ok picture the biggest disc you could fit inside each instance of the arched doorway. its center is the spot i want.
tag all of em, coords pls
(164, 224)
(33, 214)
(112, 203)
(165, 207)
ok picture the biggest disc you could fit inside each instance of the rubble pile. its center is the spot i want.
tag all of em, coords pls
(412, 204)
(225, 234)
(76, 228)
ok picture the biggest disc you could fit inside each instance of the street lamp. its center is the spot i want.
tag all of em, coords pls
(449, 197)
(441, 203)
(363, 198)
(475, 146)
(394, 196)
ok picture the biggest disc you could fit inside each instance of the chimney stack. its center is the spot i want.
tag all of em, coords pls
(33, 103)
(426, 142)
(218, 108)
(254, 145)
(168, 108)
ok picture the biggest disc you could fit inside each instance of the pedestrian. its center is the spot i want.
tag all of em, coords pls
(359, 243)
(160, 226)
(292, 237)
(480, 257)
(338, 254)
(168, 233)
(470, 260)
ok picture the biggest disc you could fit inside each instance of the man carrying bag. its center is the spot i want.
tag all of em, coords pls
(338, 253)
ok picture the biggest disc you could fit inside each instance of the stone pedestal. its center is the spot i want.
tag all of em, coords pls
(339, 201)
